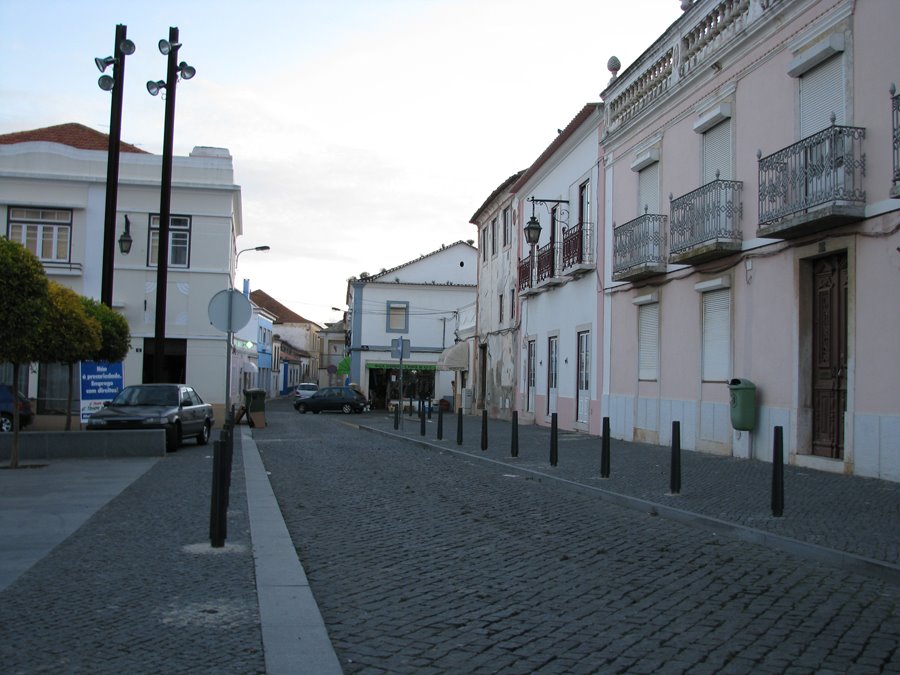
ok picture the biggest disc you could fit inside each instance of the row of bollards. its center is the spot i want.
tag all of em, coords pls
(675, 456)
(223, 453)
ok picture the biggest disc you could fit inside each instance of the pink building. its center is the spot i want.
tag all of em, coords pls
(750, 173)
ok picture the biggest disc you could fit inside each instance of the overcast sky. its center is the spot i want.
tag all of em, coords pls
(364, 133)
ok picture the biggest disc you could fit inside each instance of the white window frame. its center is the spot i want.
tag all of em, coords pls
(46, 232)
(648, 341)
(179, 241)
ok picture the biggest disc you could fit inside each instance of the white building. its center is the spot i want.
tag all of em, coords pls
(52, 199)
(420, 301)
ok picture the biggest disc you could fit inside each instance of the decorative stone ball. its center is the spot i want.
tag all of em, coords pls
(613, 65)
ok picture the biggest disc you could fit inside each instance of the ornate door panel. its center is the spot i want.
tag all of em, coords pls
(829, 399)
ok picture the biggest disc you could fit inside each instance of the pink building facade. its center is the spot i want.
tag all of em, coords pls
(750, 232)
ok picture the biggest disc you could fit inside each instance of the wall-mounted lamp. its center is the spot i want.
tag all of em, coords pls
(125, 240)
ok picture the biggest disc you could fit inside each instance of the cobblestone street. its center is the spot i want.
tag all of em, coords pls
(422, 561)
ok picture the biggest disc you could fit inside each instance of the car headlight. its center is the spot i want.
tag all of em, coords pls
(155, 420)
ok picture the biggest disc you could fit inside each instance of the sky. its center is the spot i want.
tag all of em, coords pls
(364, 133)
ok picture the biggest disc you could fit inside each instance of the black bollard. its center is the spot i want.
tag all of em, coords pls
(604, 450)
(422, 422)
(215, 537)
(459, 421)
(778, 473)
(675, 468)
(429, 408)
(440, 429)
(484, 443)
(410, 406)
(554, 447)
(514, 440)
(397, 415)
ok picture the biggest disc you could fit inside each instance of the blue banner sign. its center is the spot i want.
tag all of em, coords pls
(100, 382)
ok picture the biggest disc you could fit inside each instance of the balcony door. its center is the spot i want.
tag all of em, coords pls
(829, 338)
(530, 377)
(583, 402)
(821, 96)
(552, 373)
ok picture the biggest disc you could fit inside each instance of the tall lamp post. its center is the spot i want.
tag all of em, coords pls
(231, 328)
(174, 71)
(116, 84)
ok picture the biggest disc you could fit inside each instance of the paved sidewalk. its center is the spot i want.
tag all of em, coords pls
(106, 567)
(845, 521)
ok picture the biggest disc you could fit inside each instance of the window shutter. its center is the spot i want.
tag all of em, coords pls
(717, 335)
(717, 152)
(648, 342)
(648, 189)
(822, 93)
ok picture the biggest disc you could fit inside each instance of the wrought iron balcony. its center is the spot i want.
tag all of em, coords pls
(577, 251)
(895, 110)
(814, 184)
(526, 276)
(639, 247)
(706, 223)
(547, 264)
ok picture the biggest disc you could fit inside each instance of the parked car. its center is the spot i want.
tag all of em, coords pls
(26, 416)
(174, 407)
(305, 390)
(344, 399)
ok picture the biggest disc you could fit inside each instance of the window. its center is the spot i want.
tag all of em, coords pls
(500, 313)
(512, 303)
(484, 244)
(717, 335)
(717, 152)
(507, 224)
(584, 202)
(44, 232)
(553, 362)
(397, 317)
(648, 341)
(648, 189)
(582, 403)
(179, 241)
(821, 94)
(494, 237)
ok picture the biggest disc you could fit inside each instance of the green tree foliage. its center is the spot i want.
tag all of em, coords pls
(115, 338)
(70, 335)
(24, 304)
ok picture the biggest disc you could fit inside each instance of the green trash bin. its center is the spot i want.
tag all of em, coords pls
(255, 404)
(743, 404)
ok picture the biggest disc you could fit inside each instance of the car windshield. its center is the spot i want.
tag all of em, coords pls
(167, 396)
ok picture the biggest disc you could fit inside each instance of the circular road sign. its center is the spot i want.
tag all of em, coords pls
(239, 310)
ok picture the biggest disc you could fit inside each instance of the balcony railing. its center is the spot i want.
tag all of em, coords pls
(577, 251)
(814, 183)
(639, 247)
(546, 261)
(895, 110)
(526, 280)
(706, 223)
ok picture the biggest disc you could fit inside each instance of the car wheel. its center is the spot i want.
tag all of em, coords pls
(203, 436)
(346, 408)
(301, 408)
(173, 437)
(6, 423)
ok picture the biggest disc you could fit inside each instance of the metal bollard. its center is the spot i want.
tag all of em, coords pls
(397, 415)
(778, 473)
(429, 408)
(675, 467)
(604, 450)
(440, 429)
(410, 406)
(514, 439)
(459, 425)
(422, 422)
(215, 537)
(554, 446)
(484, 443)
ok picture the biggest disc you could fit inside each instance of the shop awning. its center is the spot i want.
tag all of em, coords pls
(343, 366)
(396, 366)
(455, 357)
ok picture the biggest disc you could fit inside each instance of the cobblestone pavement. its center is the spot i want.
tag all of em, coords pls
(429, 561)
(137, 589)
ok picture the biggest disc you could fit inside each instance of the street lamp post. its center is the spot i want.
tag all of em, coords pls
(174, 70)
(230, 339)
(115, 84)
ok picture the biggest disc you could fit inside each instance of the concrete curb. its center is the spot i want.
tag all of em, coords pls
(293, 632)
(124, 443)
(848, 562)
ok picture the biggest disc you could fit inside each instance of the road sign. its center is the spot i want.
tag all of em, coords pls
(399, 348)
(238, 313)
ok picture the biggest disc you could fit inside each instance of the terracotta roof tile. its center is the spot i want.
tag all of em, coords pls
(72, 134)
(283, 314)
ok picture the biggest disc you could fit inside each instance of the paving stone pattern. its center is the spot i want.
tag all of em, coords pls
(137, 589)
(425, 561)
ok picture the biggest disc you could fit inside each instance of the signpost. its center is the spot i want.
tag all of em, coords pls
(229, 311)
(400, 350)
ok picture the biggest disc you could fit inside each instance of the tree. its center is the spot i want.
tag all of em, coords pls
(24, 303)
(70, 335)
(115, 337)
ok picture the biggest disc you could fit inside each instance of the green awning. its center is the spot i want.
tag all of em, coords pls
(343, 366)
(406, 366)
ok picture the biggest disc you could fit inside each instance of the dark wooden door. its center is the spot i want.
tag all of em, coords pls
(829, 355)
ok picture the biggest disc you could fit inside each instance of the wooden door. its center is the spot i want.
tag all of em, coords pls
(829, 355)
